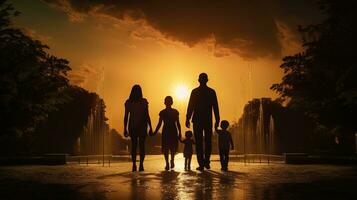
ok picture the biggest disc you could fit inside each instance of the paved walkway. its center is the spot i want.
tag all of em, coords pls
(251, 181)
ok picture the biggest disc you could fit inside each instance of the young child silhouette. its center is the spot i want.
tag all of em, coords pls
(171, 131)
(188, 150)
(224, 143)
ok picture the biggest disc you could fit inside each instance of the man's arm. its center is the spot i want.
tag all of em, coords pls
(216, 110)
(190, 109)
(178, 127)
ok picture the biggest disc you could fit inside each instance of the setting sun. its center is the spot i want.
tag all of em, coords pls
(181, 92)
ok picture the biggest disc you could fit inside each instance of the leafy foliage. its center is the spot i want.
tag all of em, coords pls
(320, 81)
(118, 142)
(31, 80)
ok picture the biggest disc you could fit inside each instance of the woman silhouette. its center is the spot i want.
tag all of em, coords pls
(137, 114)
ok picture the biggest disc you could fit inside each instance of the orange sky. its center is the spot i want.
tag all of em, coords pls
(108, 56)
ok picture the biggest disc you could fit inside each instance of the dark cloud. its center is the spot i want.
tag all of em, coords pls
(247, 28)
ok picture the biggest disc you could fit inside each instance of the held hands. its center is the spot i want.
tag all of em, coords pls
(126, 134)
(151, 133)
(187, 123)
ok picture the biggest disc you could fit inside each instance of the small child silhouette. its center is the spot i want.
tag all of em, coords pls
(224, 143)
(188, 150)
(171, 132)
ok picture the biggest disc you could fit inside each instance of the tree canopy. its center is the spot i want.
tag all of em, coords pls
(31, 80)
(59, 133)
(320, 81)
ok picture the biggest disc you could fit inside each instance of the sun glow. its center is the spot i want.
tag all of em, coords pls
(181, 92)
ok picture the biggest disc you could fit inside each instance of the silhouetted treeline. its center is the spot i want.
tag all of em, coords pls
(40, 112)
(31, 83)
(321, 80)
(60, 132)
(119, 144)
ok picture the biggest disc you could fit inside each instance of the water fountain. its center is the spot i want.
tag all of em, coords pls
(95, 139)
(256, 131)
(271, 135)
(259, 131)
(255, 135)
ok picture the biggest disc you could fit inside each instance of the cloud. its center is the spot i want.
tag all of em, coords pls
(36, 35)
(87, 76)
(66, 6)
(245, 28)
(290, 42)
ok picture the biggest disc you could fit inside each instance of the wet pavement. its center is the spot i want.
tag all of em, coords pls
(250, 181)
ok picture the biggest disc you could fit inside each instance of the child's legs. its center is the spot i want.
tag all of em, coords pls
(189, 161)
(221, 157)
(226, 158)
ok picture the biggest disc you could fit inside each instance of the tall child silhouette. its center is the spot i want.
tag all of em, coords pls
(202, 100)
(171, 132)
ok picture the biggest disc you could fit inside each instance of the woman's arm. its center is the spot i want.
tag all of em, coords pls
(148, 119)
(126, 118)
(150, 126)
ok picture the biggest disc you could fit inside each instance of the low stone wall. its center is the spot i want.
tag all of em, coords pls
(50, 159)
(303, 158)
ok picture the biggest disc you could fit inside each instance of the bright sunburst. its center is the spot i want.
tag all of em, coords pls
(181, 92)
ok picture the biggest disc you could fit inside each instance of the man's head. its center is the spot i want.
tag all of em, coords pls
(203, 79)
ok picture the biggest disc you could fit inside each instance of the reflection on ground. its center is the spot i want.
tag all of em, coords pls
(176, 185)
(251, 181)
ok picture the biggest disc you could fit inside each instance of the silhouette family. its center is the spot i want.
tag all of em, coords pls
(203, 101)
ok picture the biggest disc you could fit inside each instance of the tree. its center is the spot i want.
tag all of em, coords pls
(320, 81)
(31, 80)
(59, 133)
(119, 144)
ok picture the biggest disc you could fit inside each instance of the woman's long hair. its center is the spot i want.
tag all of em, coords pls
(135, 94)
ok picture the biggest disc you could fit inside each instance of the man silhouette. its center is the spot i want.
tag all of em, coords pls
(202, 100)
